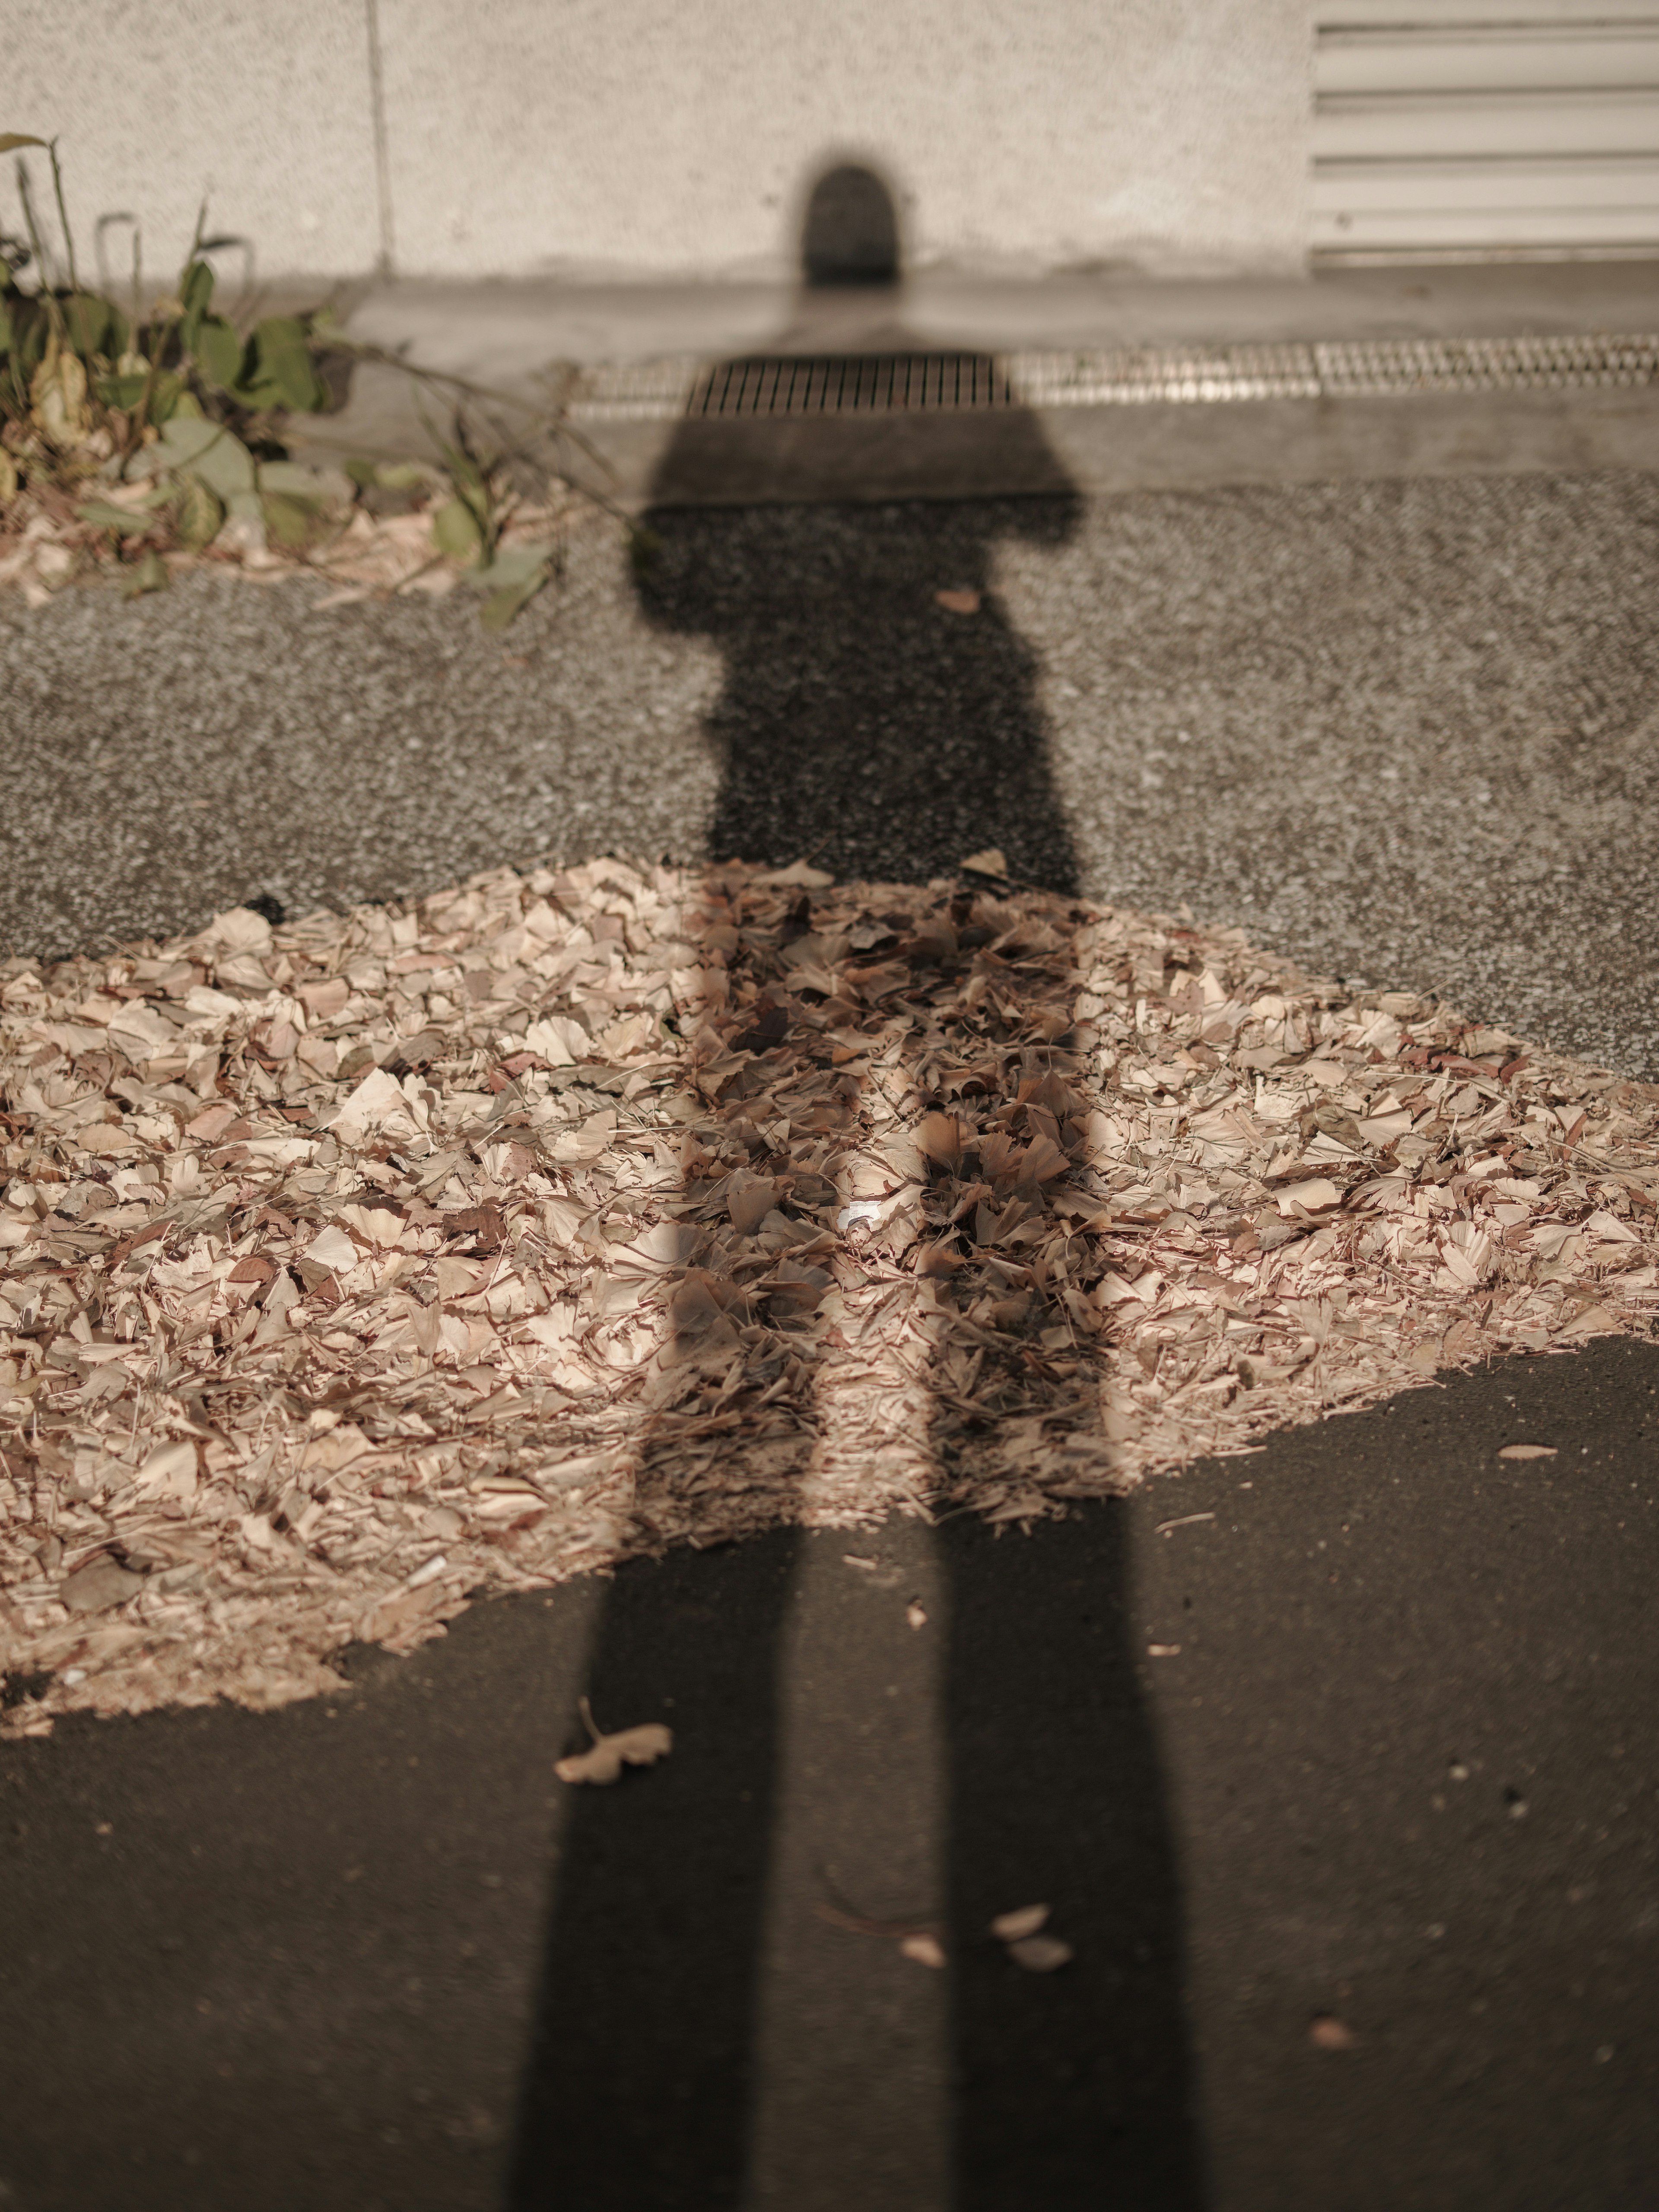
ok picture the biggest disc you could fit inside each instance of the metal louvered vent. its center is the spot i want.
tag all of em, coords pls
(1481, 129)
(948, 383)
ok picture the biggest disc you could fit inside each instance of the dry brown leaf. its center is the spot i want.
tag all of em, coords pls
(799, 874)
(749, 1200)
(1527, 1451)
(1041, 1955)
(1025, 1920)
(940, 1138)
(102, 1584)
(607, 1755)
(939, 1258)
(927, 1950)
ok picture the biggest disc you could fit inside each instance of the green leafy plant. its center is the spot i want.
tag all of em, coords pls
(72, 363)
(149, 431)
(178, 400)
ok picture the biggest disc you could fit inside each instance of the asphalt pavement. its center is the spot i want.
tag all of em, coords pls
(1359, 1876)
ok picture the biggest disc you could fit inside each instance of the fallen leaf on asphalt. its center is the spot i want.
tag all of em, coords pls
(607, 1756)
(1182, 1521)
(1326, 2032)
(1163, 1651)
(1040, 1954)
(1021, 1930)
(989, 862)
(957, 603)
(1529, 1451)
(915, 1614)
(1025, 1920)
(927, 1950)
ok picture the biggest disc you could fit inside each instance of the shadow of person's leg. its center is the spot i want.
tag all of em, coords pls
(636, 2091)
(1073, 2087)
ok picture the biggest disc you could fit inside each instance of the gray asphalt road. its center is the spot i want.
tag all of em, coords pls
(1404, 731)
(1394, 1784)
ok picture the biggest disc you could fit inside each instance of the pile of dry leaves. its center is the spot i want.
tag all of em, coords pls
(353, 1267)
(50, 537)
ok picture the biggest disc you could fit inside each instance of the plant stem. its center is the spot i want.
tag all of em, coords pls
(545, 421)
(44, 289)
(159, 338)
(62, 217)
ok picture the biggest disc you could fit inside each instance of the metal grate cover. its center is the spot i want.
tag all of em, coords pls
(935, 383)
(855, 384)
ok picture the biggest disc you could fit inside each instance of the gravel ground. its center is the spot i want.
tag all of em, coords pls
(1400, 730)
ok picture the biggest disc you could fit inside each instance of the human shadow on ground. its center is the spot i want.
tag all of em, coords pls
(861, 723)
(637, 2090)
(884, 735)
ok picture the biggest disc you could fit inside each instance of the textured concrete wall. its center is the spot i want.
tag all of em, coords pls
(652, 138)
(261, 108)
(680, 135)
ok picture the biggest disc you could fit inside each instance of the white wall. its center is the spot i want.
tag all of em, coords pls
(262, 105)
(639, 138)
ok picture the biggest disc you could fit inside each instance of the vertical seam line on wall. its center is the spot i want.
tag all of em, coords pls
(382, 154)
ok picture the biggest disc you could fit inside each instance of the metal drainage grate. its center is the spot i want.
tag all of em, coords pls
(1366, 367)
(855, 384)
(933, 383)
(788, 384)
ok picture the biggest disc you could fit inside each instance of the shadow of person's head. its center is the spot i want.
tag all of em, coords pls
(850, 230)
